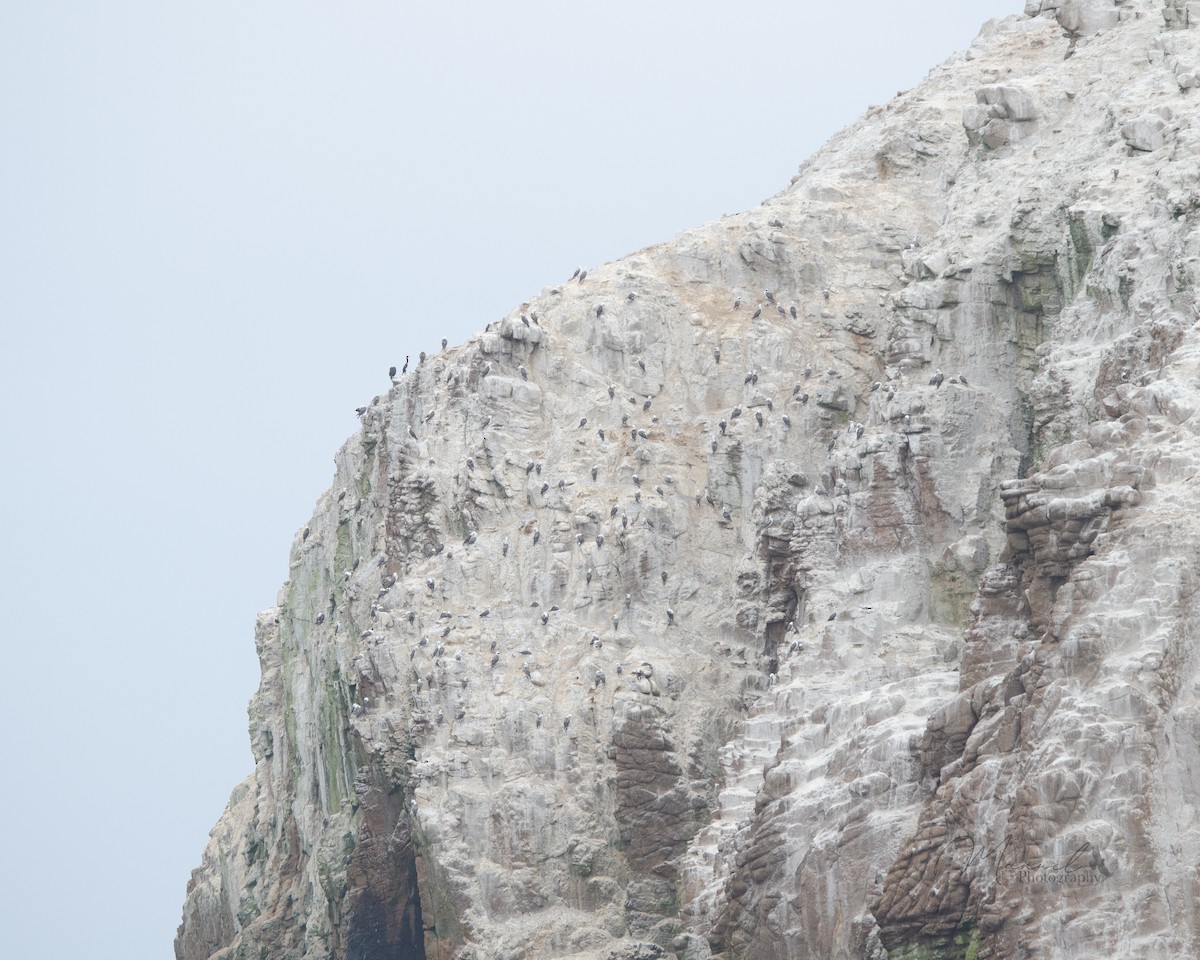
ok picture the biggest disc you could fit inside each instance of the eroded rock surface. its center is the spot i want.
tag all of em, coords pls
(817, 584)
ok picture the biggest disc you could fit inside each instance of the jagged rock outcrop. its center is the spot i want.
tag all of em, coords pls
(817, 584)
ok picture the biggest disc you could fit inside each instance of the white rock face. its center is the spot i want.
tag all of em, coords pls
(827, 593)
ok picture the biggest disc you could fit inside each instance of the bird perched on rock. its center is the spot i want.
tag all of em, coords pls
(756, 314)
(487, 368)
(759, 417)
(537, 534)
(392, 374)
(567, 722)
(631, 296)
(600, 310)
(723, 424)
(612, 390)
(504, 548)
(792, 310)
(936, 380)
(522, 371)
(545, 618)
(582, 422)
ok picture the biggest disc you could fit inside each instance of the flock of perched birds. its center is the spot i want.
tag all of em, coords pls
(431, 667)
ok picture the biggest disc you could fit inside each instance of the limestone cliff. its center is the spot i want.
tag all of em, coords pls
(817, 584)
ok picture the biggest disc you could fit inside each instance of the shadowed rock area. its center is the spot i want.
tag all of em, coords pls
(816, 584)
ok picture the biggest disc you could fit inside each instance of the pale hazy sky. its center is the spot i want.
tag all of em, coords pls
(220, 223)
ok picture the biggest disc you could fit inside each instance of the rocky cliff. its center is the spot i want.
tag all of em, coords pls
(817, 584)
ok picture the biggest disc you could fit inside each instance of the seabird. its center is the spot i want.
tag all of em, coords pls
(735, 413)
(769, 295)
(545, 487)
(537, 535)
(779, 309)
(412, 433)
(539, 719)
(825, 294)
(525, 669)
(646, 405)
(792, 311)
(444, 342)
(670, 615)
(756, 314)
(643, 434)
(320, 619)
(360, 410)
(936, 380)
(804, 398)
(504, 548)
(963, 380)
(578, 270)
(470, 539)
(421, 356)
(522, 371)
(545, 618)
(616, 622)
(537, 468)
(723, 424)
(392, 374)
(485, 612)
(664, 576)
(412, 615)
(624, 419)
(725, 513)
(774, 222)
(430, 584)
(600, 432)
(599, 309)
(582, 275)
(404, 369)
(633, 434)
(487, 368)
(595, 470)
(631, 296)
(579, 539)
(566, 722)
(588, 575)
(582, 422)
(714, 450)
(470, 463)
(528, 467)
(612, 390)
(642, 363)
(659, 490)
(759, 417)
(787, 421)
(750, 376)
(599, 539)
